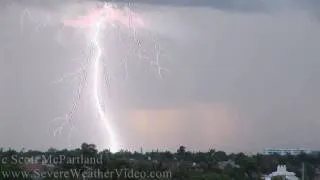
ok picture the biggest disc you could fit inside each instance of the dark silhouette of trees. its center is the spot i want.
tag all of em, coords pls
(181, 150)
(182, 164)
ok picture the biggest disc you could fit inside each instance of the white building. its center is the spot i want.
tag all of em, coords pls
(282, 171)
(285, 151)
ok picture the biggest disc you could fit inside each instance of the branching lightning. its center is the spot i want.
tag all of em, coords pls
(92, 71)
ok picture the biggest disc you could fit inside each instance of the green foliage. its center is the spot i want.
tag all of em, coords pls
(278, 178)
(183, 164)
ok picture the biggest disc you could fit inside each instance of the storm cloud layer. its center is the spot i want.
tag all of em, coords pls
(242, 76)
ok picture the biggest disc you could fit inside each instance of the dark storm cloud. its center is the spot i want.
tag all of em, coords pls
(232, 5)
(257, 72)
(237, 5)
(263, 65)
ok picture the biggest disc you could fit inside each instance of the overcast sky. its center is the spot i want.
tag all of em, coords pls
(240, 76)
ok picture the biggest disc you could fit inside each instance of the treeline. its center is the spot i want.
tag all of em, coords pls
(181, 164)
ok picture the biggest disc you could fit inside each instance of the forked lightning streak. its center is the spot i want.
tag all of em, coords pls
(92, 71)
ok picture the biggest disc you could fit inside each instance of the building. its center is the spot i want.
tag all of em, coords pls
(224, 164)
(285, 151)
(317, 173)
(282, 172)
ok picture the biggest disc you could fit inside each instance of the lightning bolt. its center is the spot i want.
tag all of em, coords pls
(95, 22)
(96, 72)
